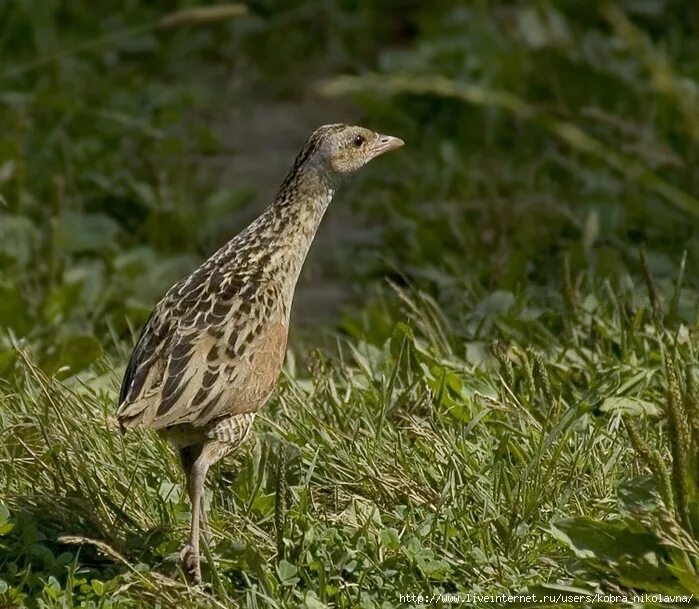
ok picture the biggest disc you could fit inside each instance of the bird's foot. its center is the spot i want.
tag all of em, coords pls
(190, 561)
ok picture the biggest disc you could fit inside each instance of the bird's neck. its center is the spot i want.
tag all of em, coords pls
(300, 205)
(286, 229)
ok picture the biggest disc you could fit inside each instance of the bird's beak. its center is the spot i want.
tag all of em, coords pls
(386, 143)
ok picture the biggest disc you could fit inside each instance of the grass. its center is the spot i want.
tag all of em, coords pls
(410, 465)
(508, 403)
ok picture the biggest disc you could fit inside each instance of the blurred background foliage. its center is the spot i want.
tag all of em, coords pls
(546, 142)
(576, 132)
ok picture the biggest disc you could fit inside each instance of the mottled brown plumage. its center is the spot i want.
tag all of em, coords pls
(211, 352)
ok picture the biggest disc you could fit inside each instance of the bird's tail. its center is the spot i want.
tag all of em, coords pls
(131, 414)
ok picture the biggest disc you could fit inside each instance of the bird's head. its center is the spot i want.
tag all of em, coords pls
(340, 149)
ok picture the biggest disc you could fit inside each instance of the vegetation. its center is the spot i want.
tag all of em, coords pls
(508, 401)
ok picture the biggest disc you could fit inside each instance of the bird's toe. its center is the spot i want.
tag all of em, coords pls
(190, 561)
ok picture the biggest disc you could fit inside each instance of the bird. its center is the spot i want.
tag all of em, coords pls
(211, 352)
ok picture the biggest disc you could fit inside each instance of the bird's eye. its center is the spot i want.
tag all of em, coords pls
(358, 141)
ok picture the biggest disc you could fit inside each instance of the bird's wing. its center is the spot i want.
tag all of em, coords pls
(209, 349)
(144, 370)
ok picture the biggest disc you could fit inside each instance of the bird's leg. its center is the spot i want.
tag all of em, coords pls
(204, 522)
(196, 475)
(187, 463)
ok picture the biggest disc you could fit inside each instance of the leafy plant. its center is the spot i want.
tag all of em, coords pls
(652, 545)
